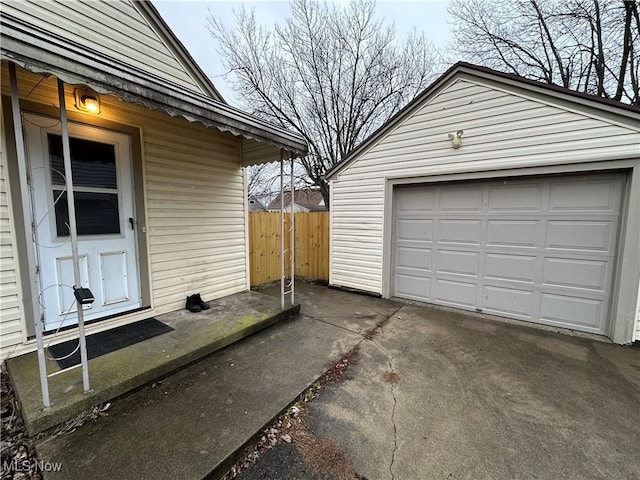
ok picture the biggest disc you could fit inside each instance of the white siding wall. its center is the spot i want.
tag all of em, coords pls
(193, 185)
(195, 213)
(10, 308)
(501, 130)
(116, 29)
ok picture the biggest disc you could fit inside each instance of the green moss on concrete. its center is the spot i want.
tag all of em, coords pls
(119, 372)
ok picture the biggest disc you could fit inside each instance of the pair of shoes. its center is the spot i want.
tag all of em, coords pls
(195, 303)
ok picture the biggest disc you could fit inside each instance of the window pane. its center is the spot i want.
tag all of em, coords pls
(93, 163)
(96, 213)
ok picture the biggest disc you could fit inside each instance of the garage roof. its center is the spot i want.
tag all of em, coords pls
(583, 100)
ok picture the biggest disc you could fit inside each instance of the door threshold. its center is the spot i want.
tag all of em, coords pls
(92, 322)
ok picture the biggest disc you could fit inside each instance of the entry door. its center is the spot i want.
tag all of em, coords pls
(103, 190)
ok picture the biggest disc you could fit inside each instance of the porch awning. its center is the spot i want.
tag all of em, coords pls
(41, 51)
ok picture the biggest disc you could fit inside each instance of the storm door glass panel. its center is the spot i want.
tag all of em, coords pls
(95, 186)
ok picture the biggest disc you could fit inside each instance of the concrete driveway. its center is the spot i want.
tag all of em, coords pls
(434, 395)
(444, 395)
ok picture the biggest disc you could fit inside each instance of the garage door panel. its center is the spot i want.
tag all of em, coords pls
(515, 198)
(538, 249)
(459, 231)
(509, 301)
(519, 268)
(456, 293)
(575, 311)
(580, 235)
(512, 233)
(583, 196)
(413, 287)
(418, 258)
(461, 200)
(566, 272)
(416, 199)
(411, 229)
(458, 262)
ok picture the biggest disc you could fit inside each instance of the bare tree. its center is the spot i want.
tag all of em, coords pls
(263, 181)
(332, 73)
(585, 45)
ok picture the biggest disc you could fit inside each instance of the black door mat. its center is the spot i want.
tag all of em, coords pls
(109, 341)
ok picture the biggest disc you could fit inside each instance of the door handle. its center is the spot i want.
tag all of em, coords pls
(132, 222)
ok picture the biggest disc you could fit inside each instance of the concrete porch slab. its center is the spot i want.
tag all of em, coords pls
(194, 423)
(195, 336)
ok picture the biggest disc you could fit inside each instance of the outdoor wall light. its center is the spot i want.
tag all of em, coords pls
(456, 139)
(87, 101)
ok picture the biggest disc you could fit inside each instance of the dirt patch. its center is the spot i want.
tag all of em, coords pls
(371, 333)
(338, 372)
(19, 460)
(289, 428)
(390, 377)
(377, 330)
(323, 455)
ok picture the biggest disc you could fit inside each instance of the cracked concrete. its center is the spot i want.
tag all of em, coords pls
(395, 428)
(391, 378)
(475, 401)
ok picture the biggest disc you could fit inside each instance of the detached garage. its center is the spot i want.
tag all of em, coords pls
(499, 195)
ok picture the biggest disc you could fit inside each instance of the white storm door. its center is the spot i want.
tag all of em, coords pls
(103, 190)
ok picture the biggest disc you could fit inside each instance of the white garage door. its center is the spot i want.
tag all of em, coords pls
(540, 249)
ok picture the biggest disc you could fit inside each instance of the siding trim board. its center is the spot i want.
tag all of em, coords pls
(11, 307)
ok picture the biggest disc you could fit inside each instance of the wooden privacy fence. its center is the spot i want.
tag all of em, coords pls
(311, 245)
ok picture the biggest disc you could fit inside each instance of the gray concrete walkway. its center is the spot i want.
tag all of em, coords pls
(434, 395)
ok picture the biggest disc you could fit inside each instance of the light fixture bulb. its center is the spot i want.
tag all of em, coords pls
(87, 101)
(91, 104)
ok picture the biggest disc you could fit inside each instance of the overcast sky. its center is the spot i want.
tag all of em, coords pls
(188, 20)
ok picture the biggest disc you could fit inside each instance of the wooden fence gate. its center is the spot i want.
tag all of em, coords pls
(311, 245)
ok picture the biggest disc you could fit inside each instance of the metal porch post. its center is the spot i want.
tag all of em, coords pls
(66, 151)
(292, 238)
(24, 185)
(286, 288)
(282, 217)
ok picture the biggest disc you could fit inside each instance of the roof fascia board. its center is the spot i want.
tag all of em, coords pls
(152, 15)
(626, 116)
(551, 89)
(621, 116)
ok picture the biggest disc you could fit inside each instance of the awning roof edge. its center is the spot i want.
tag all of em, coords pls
(40, 52)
